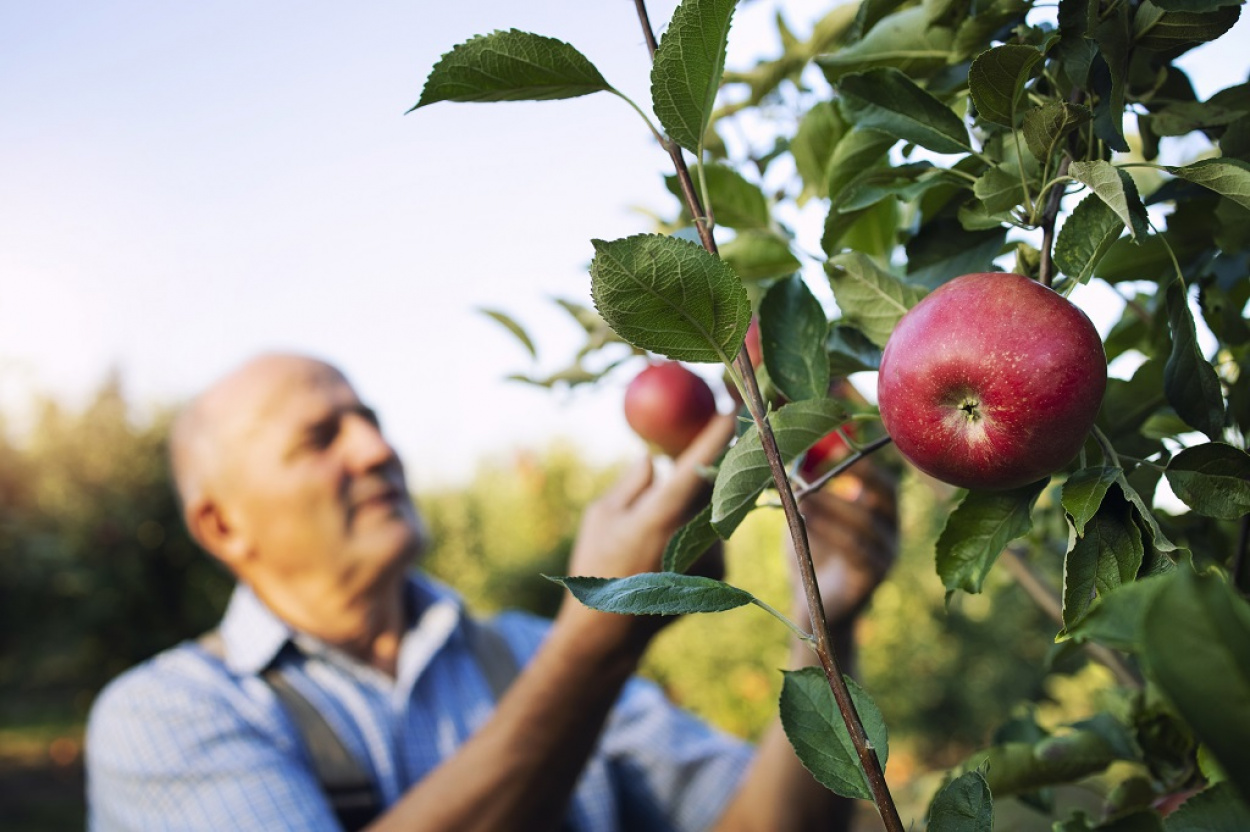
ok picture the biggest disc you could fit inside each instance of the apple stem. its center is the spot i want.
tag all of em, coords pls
(869, 762)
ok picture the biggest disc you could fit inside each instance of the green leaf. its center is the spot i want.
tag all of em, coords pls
(757, 255)
(1194, 5)
(1085, 237)
(671, 297)
(975, 32)
(850, 351)
(1000, 189)
(904, 40)
(512, 326)
(656, 593)
(1189, 380)
(1213, 479)
(1230, 178)
(511, 66)
(1046, 127)
(813, 145)
(997, 78)
(690, 542)
(687, 69)
(736, 202)
(889, 101)
(870, 298)
(744, 473)
(1108, 74)
(1158, 540)
(907, 182)
(943, 250)
(792, 333)
(1019, 767)
(1116, 188)
(814, 725)
(1117, 618)
(963, 805)
(1197, 648)
(858, 151)
(1166, 31)
(1105, 558)
(1216, 809)
(1084, 491)
(978, 530)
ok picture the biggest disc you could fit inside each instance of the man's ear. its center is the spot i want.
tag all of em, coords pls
(216, 532)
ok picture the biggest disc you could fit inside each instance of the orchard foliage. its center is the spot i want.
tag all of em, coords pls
(940, 138)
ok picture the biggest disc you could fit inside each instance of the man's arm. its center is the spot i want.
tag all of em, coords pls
(519, 770)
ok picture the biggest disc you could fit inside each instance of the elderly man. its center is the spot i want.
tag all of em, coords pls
(286, 478)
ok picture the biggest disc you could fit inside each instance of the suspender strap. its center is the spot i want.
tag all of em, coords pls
(346, 781)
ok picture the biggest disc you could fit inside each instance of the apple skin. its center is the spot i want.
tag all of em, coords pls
(668, 405)
(991, 382)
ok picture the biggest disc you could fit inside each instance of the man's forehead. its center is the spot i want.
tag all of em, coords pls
(275, 389)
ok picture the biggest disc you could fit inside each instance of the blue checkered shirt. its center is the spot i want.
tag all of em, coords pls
(186, 741)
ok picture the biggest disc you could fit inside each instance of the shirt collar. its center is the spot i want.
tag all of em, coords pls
(253, 635)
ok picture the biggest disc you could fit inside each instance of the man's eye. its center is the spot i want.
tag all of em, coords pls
(322, 436)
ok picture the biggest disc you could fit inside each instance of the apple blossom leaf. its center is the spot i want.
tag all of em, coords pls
(1116, 618)
(792, 335)
(905, 40)
(757, 255)
(1105, 558)
(963, 805)
(1046, 127)
(889, 101)
(850, 351)
(1189, 380)
(1230, 178)
(510, 324)
(871, 299)
(1114, 187)
(1213, 479)
(1084, 491)
(978, 530)
(687, 69)
(1086, 236)
(1204, 665)
(996, 80)
(744, 472)
(655, 593)
(511, 66)
(1215, 809)
(690, 542)
(736, 202)
(816, 730)
(671, 297)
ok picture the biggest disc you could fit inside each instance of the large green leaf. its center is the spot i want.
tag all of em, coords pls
(858, 151)
(978, 530)
(819, 133)
(870, 298)
(905, 40)
(1085, 237)
(686, 73)
(1213, 479)
(814, 725)
(1197, 648)
(996, 81)
(963, 805)
(1160, 30)
(758, 255)
(792, 332)
(1116, 188)
(1189, 380)
(736, 202)
(1021, 767)
(656, 593)
(850, 351)
(1117, 618)
(1229, 178)
(671, 297)
(511, 66)
(744, 472)
(1104, 559)
(1084, 491)
(889, 101)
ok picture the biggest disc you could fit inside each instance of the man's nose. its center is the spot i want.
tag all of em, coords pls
(367, 447)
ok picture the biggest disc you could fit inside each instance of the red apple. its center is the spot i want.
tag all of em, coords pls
(668, 405)
(991, 382)
(827, 452)
(752, 339)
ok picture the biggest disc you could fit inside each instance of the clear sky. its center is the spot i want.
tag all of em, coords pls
(186, 184)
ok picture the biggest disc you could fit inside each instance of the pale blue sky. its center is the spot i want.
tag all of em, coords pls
(185, 184)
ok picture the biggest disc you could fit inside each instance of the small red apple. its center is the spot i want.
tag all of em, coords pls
(752, 340)
(668, 405)
(992, 381)
(828, 451)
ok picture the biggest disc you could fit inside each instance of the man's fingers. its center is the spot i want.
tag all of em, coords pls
(632, 484)
(671, 499)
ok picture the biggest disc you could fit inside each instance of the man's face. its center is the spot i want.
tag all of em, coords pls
(315, 488)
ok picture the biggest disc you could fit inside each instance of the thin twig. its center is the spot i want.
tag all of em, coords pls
(864, 750)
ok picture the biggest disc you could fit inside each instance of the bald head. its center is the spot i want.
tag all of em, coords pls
(210, 431)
